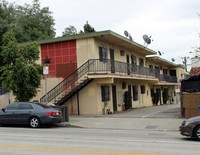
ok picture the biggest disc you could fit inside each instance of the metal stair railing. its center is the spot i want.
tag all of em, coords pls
(66, 83)
(100, 66)
(73, 91)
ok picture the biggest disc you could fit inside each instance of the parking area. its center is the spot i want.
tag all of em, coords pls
(162, 111)
(165, 118)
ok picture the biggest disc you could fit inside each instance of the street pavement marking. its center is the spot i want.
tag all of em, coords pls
(71, 150)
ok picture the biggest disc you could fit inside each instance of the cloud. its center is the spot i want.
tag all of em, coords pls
(173, 24)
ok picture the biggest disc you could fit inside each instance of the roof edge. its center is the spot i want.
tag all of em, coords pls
(164, 60)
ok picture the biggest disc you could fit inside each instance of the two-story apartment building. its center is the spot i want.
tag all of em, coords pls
(104, 72)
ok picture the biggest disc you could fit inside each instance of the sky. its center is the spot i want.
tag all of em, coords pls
(173, 25)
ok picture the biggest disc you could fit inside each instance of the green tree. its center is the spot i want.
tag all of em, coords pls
(20, 74)
(88, 28)
(29, 22)
(71, 30)
(7, 20)
(33, 22)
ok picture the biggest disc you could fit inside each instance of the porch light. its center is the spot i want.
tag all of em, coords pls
(47, 60)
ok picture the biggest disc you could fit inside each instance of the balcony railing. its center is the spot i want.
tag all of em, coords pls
(110, 66)
(102, 66)
(167, 78)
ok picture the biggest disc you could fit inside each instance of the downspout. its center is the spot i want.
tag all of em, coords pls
(78, 103)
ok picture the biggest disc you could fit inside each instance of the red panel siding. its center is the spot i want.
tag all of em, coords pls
(61, 53)
(44, 47)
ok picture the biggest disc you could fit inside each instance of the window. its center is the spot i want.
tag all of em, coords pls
(133, 60)
(122, 53)
(165, 71)
(142, 89)
(173, 73)
(157, 70)
(105, 93)
(25, 106)
(141, 62)
(102, 53)
(135, 93)
(151, 67)
(13, 106)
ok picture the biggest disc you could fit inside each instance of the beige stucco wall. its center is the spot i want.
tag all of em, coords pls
(46, 86)
(181, 73)
(88, 49)
(90, 98)
(144, 100)
(4, 100)
(85, 50)
(86, 99)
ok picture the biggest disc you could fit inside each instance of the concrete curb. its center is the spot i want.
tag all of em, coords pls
(62, 124)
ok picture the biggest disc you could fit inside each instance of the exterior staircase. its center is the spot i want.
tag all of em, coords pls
(69, 86)
(76, 81)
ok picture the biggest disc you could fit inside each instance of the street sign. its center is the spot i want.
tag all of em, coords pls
(45, 70)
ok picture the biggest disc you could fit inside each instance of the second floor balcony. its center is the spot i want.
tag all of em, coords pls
(95, 68)
(102, 67)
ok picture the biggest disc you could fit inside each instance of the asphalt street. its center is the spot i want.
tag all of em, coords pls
(145, 131)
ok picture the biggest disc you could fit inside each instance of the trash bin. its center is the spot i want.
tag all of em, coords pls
(65, 113)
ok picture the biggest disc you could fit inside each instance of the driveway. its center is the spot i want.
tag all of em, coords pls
(162, 111)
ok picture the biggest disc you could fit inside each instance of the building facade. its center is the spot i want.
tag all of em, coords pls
(104, 72)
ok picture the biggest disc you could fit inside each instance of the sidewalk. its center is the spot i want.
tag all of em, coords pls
(163, 118)
(161, 124)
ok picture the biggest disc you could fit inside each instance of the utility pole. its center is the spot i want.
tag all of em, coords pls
(185, 62)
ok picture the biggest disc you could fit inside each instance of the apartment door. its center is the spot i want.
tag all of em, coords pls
(128, 64)
(165, 95)
(130, 100)
(114, 96)
(127, 98)
(112, 60)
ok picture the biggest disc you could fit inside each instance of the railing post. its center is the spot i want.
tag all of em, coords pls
(88, 64)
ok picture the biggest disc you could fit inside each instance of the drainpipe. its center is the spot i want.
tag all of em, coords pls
(78, 103)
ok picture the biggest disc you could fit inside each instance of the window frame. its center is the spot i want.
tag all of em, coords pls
(133, 59)
(135, 92)
(141, 62)
(105, 93)
(103, 54)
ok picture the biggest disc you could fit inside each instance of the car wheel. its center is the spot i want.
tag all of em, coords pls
(197, 133)
(34, 122)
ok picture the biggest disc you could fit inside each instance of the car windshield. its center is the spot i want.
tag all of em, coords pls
(43, 105)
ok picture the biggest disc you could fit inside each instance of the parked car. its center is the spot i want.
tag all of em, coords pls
(29, 113)
(191, 127)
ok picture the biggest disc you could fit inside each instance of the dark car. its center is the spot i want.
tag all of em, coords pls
(29, 113)
(191, 127)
